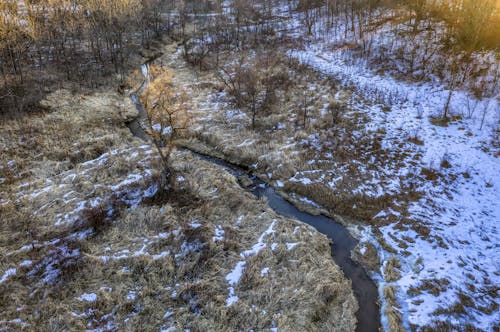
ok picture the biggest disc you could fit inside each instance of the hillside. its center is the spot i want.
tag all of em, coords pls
(382, 116)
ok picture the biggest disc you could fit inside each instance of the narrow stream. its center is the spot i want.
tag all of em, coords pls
(343, 243)
(365, 290)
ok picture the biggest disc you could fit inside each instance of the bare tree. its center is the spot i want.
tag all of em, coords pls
(253, 83)
(167, 116)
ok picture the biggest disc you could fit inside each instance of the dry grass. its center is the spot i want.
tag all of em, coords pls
(432, 286)
(391, 269)
(150, 265)
(282, 151)
(303, 284)
(368, 257)
(76, 128)
(392, 311)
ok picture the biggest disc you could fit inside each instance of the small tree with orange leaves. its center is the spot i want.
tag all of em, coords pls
(167, 116)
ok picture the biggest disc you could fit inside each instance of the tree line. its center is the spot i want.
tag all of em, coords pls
(42, 41)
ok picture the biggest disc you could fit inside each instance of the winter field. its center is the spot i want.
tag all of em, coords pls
(437, 237)
(370, 118)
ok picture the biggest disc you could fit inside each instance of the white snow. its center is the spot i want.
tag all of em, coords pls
(462, 214)
(218, 234)
(166, 130)
(246, 142)
(7, 274)
(195, 224)
(260, 244)
(168, 314)
(239, 220)
(131, 296)
(234, 276)
(26, 263)
(87, 297)
(232, 297)
(161, 255)
(309, 202)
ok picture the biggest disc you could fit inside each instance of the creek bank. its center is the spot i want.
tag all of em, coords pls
(341, 241)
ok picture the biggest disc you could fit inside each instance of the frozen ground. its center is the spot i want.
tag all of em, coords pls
(447, 238)
(461, 208)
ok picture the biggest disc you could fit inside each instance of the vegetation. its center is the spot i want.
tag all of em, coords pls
(47, 41)
(88, 241)
(166, 114)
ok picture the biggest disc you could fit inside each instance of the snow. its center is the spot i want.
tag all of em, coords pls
(130, 189)
(232, 297)
(161, 255)
(302, 180)
(461, 214)
(218, 234)
(309, 202)
(7, 274)
(87, 297)
(239, 220)
(195, 225)
(50, 267)
(131, 179)
(131, 296)
(168, 314)
(26, 263)
(234, 276)
(264, 271)
(166, 131)
(17, 321)
(260, 244)
(246, 142)
(169, 329)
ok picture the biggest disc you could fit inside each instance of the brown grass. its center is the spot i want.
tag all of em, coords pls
(391, 310)
(134, 290)
(370, 259)
(392, 269)
(76, 128)
(432, 286)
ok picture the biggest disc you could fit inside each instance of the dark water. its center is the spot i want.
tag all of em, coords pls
(343, 243)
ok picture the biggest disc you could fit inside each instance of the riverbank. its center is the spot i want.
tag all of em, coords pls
(90, 244)
(394, 191)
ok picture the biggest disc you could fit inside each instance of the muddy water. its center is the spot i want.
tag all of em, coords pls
(365, 290)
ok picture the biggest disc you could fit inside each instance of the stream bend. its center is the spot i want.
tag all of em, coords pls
(342, 242)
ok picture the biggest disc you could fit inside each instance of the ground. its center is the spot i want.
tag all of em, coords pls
(422, 191)
(90, 242)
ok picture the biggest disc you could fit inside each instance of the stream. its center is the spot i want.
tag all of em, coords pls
(342, 242)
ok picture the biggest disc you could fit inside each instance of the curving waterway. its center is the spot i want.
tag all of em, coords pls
(342, 242)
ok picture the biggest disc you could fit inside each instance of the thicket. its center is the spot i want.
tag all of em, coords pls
(47, 41)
